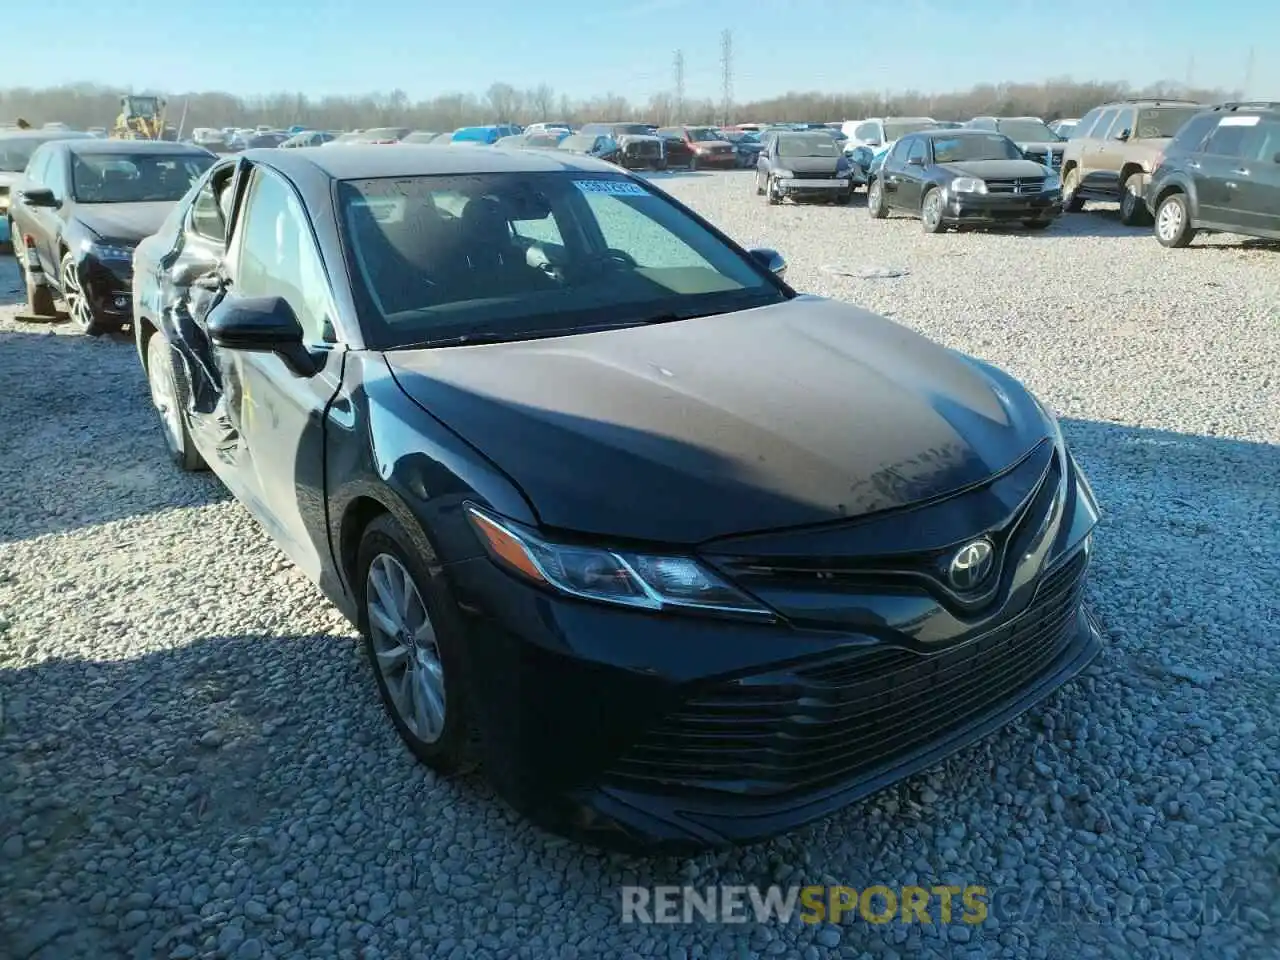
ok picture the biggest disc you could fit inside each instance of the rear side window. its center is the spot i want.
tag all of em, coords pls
(1191, 136)
(1267, 142)
(1124, 121)
(1232, 137)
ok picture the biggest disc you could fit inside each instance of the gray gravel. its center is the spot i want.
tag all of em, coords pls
(193, 762)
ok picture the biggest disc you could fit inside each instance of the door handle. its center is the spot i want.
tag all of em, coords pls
(1240, 172)
(1193, 164)
(1231, 185)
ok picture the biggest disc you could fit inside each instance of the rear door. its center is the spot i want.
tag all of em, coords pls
(1265, 184)
(1222, 180)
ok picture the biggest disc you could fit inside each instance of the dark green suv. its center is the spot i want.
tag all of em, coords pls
(1221, 173)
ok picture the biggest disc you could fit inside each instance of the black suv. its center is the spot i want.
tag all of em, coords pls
(1221, 173)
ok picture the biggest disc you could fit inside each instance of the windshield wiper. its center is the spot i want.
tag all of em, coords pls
(489, 336)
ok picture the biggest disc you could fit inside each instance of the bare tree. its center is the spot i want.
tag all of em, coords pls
(504, 101)
(542, 100)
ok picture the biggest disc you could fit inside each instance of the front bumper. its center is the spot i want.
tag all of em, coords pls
(725, 160)
(789, 185)
(1002, 208)
(638, 731)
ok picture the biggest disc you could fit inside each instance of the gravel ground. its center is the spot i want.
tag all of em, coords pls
(193, 761)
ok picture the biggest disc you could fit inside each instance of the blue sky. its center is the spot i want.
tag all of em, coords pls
(584, 48)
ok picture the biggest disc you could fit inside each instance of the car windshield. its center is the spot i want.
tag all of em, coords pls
(995, 146)
(897, 129)
(134, 178)
(440, 259)
(1026, 131)
(632, 130)
(807, 145)
(704, 134)
(1155, 122)
(1066, 129)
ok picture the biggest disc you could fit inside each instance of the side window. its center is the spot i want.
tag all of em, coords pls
(206, 214)
(275, 255)
(55, 175)
(984, 123)
(1266, 146)
(1193, 132)
(1232, 138)
(1099, 131)
(899, 152)
(867, 131)
(626, 228)
(916, 151)
(1084, 129)
(35, 166)
(1124, 121)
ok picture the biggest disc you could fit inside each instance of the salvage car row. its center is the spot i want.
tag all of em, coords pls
(510, 409)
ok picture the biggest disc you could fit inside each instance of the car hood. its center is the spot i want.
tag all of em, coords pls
(804, 412)
(130, 222)
(995, 169)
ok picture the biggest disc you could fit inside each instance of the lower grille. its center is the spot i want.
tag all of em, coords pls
(808, 175)
(1018, 185)
(641, 150)
(815, 725)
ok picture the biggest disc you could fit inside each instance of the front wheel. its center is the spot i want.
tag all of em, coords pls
(1071, 201)
(169, 399)
(931, 212)
(875, 200)
(1173, 221)
(771, 191)
(411, 637)
(759, 185)
(1133, 209)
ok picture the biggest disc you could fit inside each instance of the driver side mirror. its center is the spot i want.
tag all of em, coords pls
(771, 260)
(915, 161)
(39, 197)
(1123, 135)
(188, 272)
(261, 325)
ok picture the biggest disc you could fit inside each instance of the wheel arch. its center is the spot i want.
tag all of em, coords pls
(1129, 169)
(356, 517)
(1180, 185)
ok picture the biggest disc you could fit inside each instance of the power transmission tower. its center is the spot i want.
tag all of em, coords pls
(726, 75)
(679, 105)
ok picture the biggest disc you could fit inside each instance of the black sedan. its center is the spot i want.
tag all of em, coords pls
(681, 556)
(951, 178)
(80, 209)
(804, 166)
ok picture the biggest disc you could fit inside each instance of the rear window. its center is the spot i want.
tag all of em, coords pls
(1157, 122)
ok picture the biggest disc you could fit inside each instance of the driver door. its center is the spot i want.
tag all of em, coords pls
(277, 415)
(911, 188)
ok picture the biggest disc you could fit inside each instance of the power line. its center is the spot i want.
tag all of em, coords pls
(726, 78)
(679, 69)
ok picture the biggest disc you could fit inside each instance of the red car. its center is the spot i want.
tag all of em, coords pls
(707, 147)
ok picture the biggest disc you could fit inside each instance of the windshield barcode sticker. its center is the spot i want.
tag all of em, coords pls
(614, 188)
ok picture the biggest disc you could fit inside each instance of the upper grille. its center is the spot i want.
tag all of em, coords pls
(818, 724)
(811, 175)
(1016, 185)
(645, 148)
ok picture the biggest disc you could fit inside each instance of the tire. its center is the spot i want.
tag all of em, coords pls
(1037, 224)
(169, 396)
(1071, 203)
(429, 667)
(78, 307)
(931, 213)
(1133, 209)
(40, 301)
(1173, 221)
(771, 192)
(759, 185)
(875, 200)
(693, 163)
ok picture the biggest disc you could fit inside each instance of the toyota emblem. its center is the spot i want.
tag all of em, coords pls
(971, 564)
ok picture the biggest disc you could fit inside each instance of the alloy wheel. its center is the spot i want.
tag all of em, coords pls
(933, 209)
(77, 304)
(405, 648)
(164, 392)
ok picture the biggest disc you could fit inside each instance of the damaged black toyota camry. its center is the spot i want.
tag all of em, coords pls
(682, 557)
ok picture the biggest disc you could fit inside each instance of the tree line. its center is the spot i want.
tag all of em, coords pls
(91, 105)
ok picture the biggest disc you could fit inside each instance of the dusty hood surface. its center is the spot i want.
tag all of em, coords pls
(996, 169)
(130, 222)
(803, 412)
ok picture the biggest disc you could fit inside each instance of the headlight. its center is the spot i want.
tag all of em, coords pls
(783, 174)
(968, 185)
(624, 578)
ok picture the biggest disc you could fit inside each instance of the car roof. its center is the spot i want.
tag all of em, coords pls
(96, 146)
(950, 132)
(368, 162)
(17, 133)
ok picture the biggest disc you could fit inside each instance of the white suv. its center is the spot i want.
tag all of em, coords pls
(881, 133)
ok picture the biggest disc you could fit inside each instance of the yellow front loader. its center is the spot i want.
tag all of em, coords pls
(141, 118)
